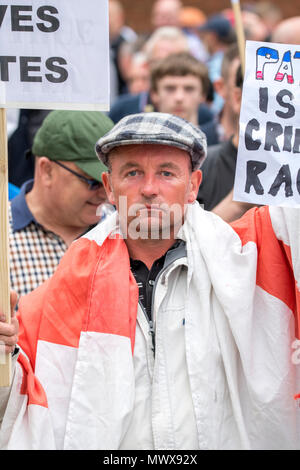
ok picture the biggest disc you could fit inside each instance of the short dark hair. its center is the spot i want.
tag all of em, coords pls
(180, 65)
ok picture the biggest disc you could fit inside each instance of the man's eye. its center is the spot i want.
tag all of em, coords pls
(170, 89)
(166, 173)
(132, 173)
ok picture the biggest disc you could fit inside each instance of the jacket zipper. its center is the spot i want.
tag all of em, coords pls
(151, 327)
(150, 322)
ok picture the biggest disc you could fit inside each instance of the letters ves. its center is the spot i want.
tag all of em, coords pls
(21, 21)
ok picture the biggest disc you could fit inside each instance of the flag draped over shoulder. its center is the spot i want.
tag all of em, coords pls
(275, 232)
(77, 329)
(74, 382)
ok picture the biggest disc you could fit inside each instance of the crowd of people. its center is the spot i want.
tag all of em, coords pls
(155, 331)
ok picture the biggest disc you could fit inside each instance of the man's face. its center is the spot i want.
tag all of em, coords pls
(138, 78)
(179, 96)
(150, 185)
(166, 13)
(75, 204)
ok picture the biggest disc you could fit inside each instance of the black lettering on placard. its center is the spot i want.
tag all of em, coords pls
(25, 68)
(298, 181)
(263, 99)
(296, 148)
(288, 134)
(4, 61)
(61, 71)
(273, 130)
(16, 18)
(3, 9)
(283, 177)
(54, 22)
(290, 108)
(254, 168)
(251, 144)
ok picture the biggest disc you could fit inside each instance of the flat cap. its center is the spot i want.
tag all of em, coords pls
(155, 128)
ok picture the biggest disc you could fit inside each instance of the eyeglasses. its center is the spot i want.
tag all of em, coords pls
(93, 184)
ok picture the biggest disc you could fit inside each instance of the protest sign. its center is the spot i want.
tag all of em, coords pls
(268, 161)
(54, 55)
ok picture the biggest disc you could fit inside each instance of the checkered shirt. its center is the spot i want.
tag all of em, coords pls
(34, 255)
(155, 128)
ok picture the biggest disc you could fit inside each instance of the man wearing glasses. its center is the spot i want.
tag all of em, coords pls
(61, 202)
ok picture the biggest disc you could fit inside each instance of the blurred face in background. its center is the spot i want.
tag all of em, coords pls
(255, 28)
(138, 79)
(179, 95)
(166, 13)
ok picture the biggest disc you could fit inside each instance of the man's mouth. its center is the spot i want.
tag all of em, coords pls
(153, 208)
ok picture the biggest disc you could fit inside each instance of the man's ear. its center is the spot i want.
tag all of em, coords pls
(196, 178)
(106, 180)
(44, 169)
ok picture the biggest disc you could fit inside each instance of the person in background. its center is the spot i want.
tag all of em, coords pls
(270, 14)
(254, 27)
(138, 75)
(219, 167)
(287, 31)
(61, 202)
(119, 33)
(191, 18)
(165, 13)
(163, 42)
(179, 86)
(20, 140)
(129, 57)
(227, 120)
(217, 35)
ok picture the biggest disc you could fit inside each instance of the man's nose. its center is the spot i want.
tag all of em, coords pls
(150, 186)
(179, 95)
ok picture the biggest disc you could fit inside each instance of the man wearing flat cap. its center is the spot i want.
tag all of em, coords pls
(61, 202)
(163, 327)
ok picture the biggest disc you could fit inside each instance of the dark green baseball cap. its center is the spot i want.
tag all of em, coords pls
(71, 136)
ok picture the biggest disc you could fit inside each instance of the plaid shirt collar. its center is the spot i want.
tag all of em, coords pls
(21, 215)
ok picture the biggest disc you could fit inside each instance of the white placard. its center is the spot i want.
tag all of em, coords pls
(54, 55)
(268, 162)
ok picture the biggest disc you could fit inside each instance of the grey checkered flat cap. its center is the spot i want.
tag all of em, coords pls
(155, 128)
